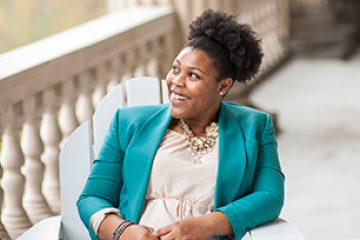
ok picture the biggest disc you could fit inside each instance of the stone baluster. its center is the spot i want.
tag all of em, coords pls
(101, 79)
(67, 120)
(34, 201)
(116, 70)
(155, 64)
(229, 6)
(51, 136)
(14, 216)
(185, 14)
(129, 65)
(142, 60)
(164, 51)
(85, 108)
(3, 233)
(199, 6)
(284, 21)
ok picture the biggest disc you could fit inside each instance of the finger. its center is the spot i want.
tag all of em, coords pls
(150, 229)
(163, 230)
(168, 236)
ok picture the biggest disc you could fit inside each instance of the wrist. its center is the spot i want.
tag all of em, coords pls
(217, 224)
(207, 225)
(121, 229)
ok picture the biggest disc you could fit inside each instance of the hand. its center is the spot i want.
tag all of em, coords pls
(138, 232)
(186, 229)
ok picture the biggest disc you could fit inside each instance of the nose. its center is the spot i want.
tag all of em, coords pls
(179, 80)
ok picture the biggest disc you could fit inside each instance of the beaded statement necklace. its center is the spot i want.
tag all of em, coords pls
(199, 146)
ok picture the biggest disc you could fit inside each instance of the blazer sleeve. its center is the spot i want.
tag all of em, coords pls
(102, 189)
(263, 204)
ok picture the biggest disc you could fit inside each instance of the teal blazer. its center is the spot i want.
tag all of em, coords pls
(249, 186)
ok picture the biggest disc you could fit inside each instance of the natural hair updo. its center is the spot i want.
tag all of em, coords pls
(233, 47)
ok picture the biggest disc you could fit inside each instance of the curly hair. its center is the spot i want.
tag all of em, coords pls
(233, 47)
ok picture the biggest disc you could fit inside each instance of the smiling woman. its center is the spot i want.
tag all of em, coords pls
(199, 167)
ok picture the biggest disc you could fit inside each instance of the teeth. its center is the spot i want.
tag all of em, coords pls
(178, 97)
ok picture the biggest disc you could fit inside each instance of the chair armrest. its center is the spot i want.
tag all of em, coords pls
(276, 230)
(47, 229)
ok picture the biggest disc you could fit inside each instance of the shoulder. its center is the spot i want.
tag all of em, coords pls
(251, 121)
(246, 114)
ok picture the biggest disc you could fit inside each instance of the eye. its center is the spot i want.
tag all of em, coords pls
(175, 69)
(193, 75)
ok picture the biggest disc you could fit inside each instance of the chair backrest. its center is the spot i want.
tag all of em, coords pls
(102, 117)
(75, 163)
(140, 91)
(143, 91)
(164, 92)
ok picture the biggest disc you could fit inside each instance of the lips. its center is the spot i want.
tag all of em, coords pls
(178, 98)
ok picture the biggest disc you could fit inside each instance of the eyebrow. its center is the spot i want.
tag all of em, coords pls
(192, 67)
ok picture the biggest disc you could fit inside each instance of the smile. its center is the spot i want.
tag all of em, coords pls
(178, 96)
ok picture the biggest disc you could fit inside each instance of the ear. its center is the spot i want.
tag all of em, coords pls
(225, 85)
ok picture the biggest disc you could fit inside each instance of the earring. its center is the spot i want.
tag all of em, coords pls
(221, 93)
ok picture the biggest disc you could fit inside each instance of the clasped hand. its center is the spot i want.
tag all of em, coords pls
(187, 229)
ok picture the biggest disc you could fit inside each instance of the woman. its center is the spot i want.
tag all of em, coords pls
(196, 168)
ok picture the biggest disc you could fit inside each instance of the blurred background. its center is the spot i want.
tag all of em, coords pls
(58, 59)
(23, 22)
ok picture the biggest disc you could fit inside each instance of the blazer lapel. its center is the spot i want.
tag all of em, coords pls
(141, 155)
(232, 157)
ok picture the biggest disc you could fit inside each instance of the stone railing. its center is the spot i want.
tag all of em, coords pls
(51, 86)
(270, 19)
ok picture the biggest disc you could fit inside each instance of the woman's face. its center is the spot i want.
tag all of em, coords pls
(194, 92)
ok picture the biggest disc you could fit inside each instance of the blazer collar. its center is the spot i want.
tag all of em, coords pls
(232, 157)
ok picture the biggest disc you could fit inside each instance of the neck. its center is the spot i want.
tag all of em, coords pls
(198, 126)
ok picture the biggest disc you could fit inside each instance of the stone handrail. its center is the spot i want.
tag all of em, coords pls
(49, 87)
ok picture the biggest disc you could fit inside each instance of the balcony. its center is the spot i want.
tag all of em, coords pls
(49, 87)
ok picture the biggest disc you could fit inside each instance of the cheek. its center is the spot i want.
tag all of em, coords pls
(169, 79)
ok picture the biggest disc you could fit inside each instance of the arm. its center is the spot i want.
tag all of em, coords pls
(266, 199)
(102, 189)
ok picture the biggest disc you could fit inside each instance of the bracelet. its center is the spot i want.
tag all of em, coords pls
(121, 228)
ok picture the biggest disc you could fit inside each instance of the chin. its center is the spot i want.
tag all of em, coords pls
(177, 114)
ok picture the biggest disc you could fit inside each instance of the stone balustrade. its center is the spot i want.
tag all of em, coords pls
(49, 87)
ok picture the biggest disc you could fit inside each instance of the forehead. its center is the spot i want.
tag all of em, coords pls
(195, 58)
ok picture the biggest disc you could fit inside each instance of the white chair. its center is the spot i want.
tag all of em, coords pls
(164, 92)
(104, 113)
(143, 91)
(77, 154)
